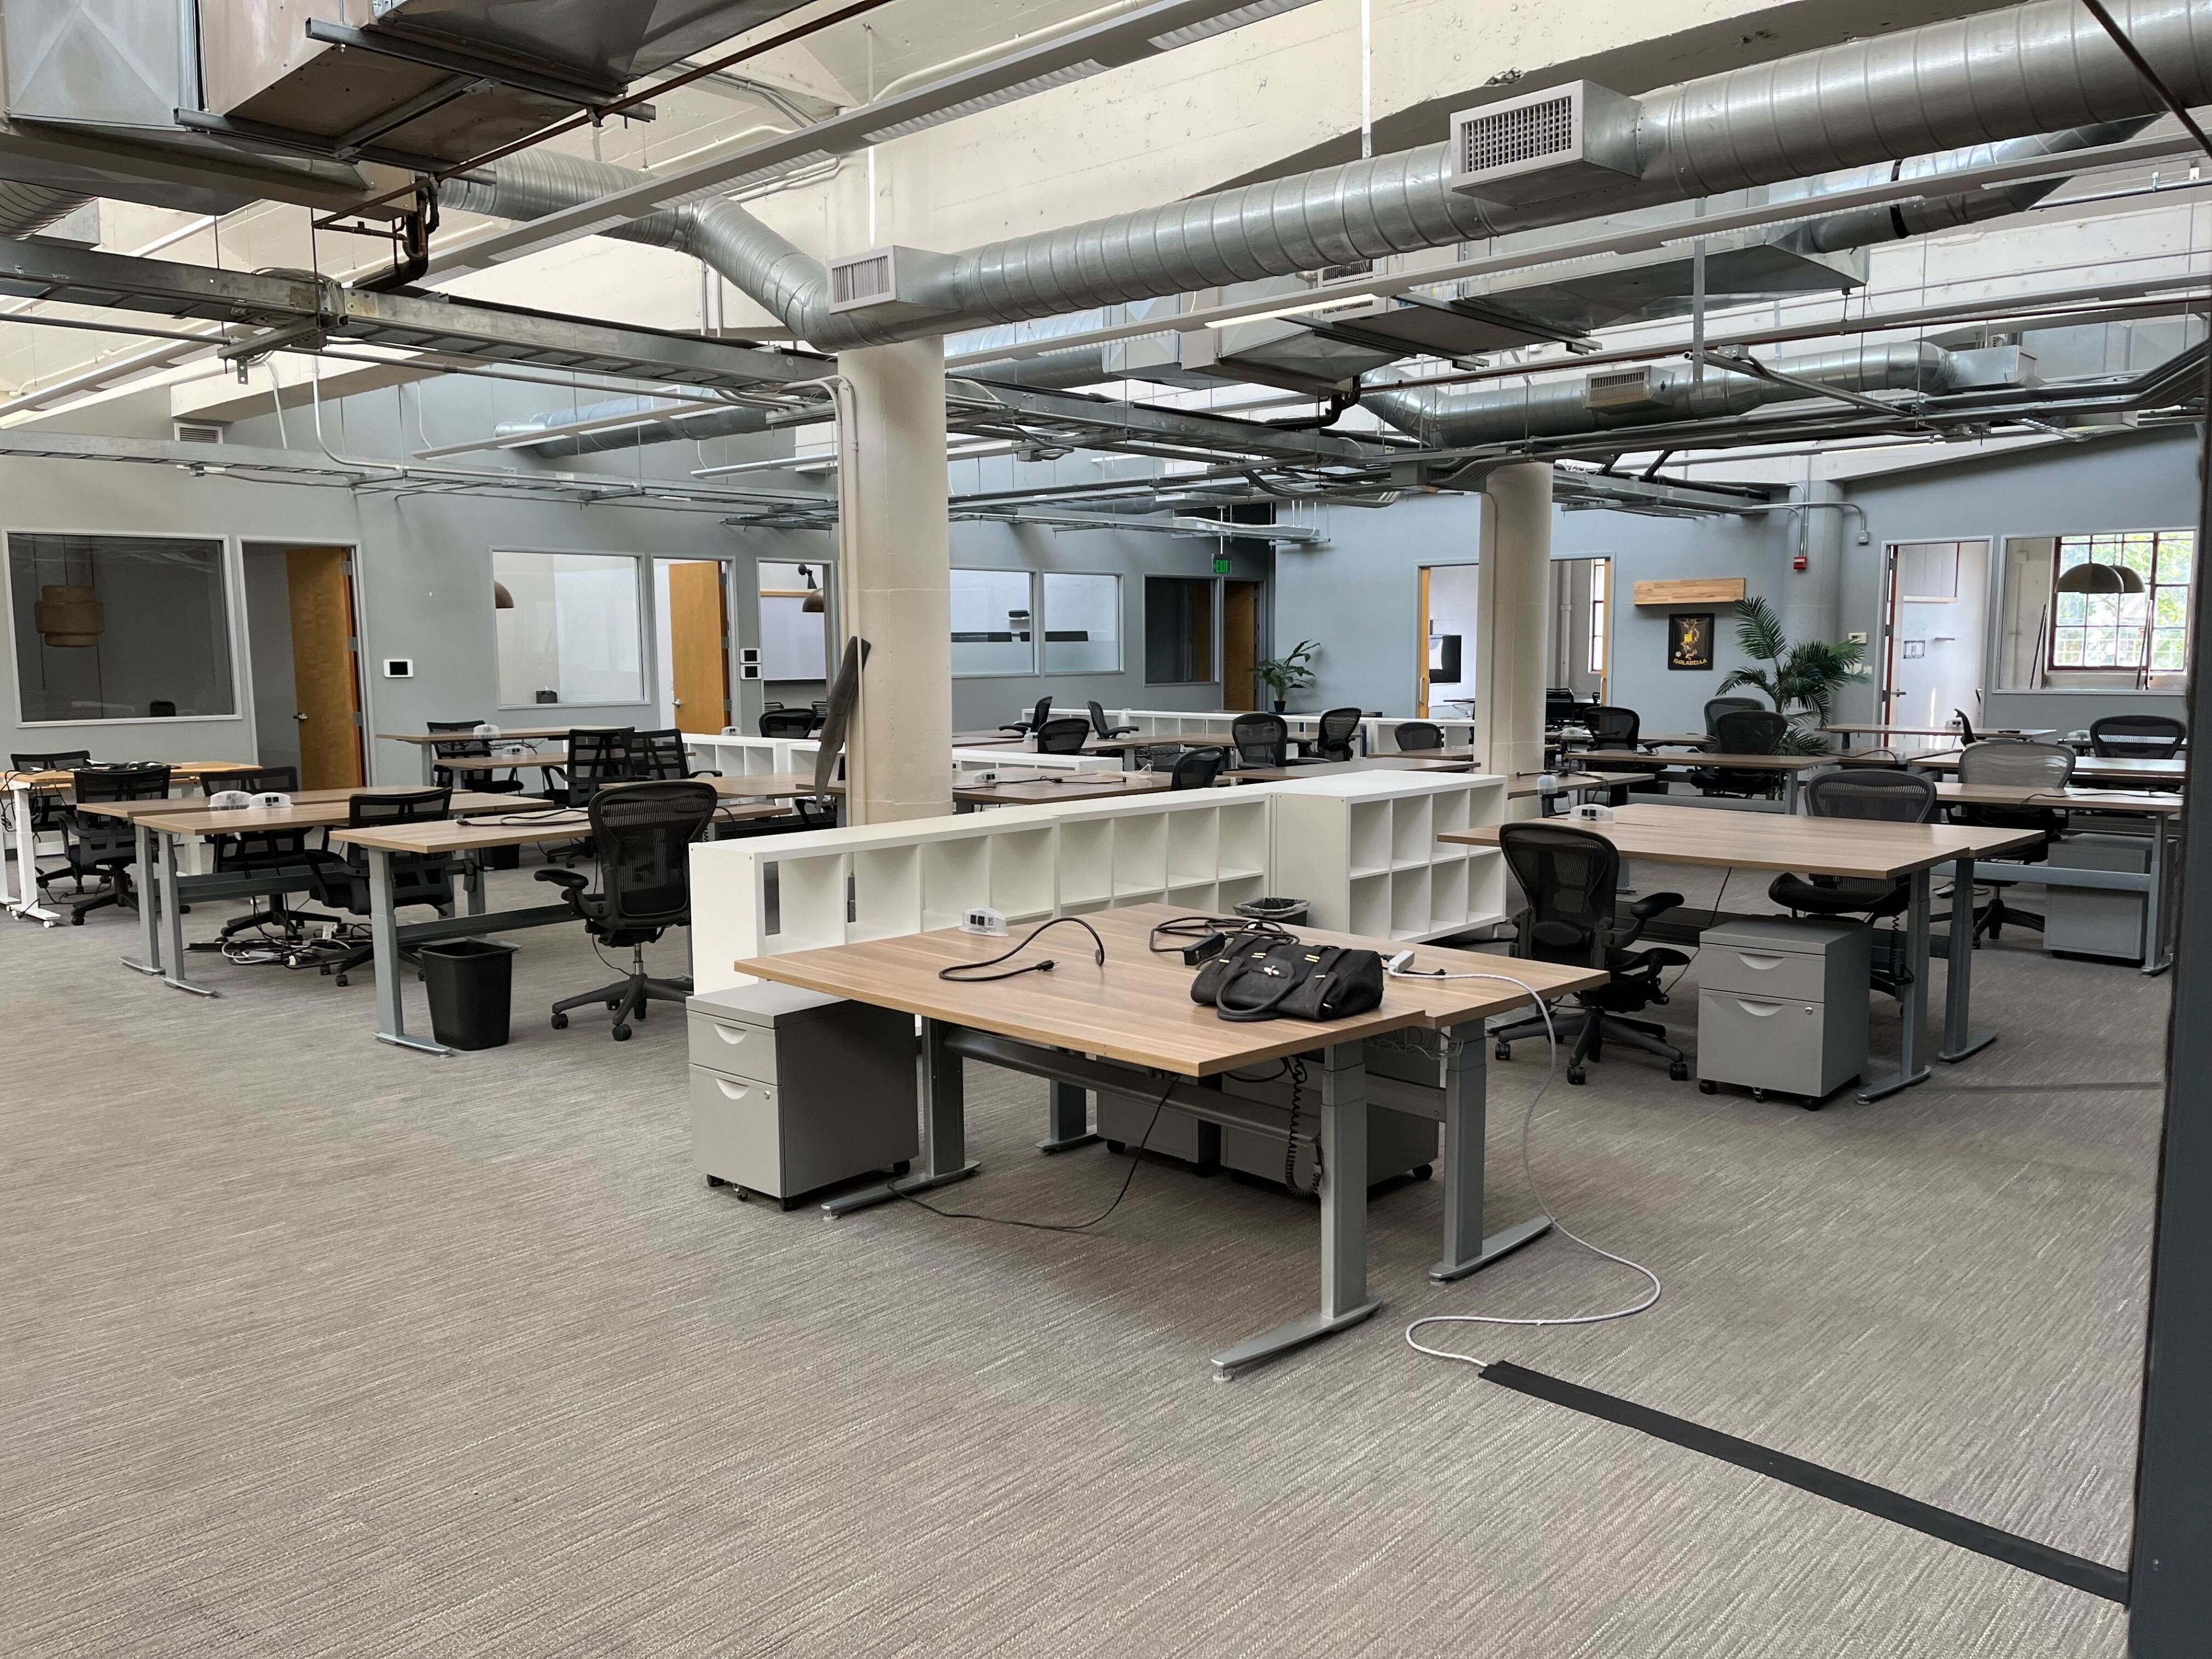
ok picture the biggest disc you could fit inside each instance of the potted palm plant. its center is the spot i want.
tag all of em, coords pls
(1289, 672)
(1799, 680)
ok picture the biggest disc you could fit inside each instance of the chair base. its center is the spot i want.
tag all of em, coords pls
(1592, 1028)
(629, 998)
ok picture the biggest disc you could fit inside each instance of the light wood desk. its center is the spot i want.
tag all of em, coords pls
(1790, 767)
(1847, 733)
(2171, 774)
(1127, 747)
(1856, 848)
(500, 825)
(24, 789)
(427, 742)
(1128, 1027)
(1363, 763)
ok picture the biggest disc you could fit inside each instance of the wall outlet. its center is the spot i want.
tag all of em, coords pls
(1858, 638)
(399, 668)
(983, 919)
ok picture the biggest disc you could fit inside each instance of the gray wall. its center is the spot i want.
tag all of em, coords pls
(268, 641)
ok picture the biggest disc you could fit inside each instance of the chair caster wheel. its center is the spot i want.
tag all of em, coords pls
(613, 1003)
(622, 1034)
(902, 1167)
(342, 979)
(559, 1022)
(1706, 1086)
(1117, 1147)
(1504, 1051)
(1680, 1071)
(1424, 1171)
(1812, 1105)
(74, 921)
(1575, 1075)
(1759, 1094)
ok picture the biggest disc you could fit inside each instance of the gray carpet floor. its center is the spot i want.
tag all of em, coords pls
(310, 1347)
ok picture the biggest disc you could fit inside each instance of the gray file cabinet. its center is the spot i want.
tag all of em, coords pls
(2092, 922)
(793, 1091)
(1782, 1005)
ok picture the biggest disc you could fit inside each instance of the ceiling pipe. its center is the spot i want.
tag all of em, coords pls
(737, 421)
(1980, 79)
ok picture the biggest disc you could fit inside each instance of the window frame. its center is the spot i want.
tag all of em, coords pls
(2143, 668)
(229, 560)
(642, 590)
(1213, 644)
(1036, 631)
(1042, 611)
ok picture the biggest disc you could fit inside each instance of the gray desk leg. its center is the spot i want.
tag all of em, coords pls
(173, 920)
(26, 902)
(1467, 1122)
(1789, 790)
(1959, 1038)
(2154, 957)
(1910, 1070)
(1068, 1124)
(391, 971)
(472, 894)
(148, 959)
(944, 1129)
(429, 764)
(1343, 1143)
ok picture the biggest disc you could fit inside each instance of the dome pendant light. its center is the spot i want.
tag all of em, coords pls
(2101, 579)
(70, 617)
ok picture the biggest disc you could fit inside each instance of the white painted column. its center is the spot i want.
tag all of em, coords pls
(895, 589)
(1510, 631)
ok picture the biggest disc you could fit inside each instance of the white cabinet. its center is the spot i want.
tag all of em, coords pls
(1361, 847)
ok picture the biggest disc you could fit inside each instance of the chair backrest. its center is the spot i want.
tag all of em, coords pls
(659, 754)
(1155, 756)
(1041, 713)
(595, 759)
(1569, 876)
(2016, 762)
(1752, 731)
(786, 722)
(1261, 739)
(371, 808)
(417, 878)
(256, 847)
(1338, 728)
(55, 760)
(1896, 796)
(97, 837)
(1965, 726)
(1418, 734)
(1613, 727)
(1199, 769)
(1099, 723)
(2146, 736)
(1065, 736)
(1717, 707)
(253, 779)
(1559, 705)
(642, 833)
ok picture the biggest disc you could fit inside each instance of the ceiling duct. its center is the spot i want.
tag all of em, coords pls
(1984, 79)
(636, 423)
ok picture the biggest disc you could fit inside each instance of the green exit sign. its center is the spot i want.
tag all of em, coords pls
(1221, 564)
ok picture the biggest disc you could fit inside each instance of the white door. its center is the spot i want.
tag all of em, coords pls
(1938, 597)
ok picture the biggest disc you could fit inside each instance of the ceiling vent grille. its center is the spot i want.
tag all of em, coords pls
(892, 283)
(1559, 142)
(1619, 388)
(859, 282)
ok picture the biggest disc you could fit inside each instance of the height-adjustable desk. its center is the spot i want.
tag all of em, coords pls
(1129, 1027)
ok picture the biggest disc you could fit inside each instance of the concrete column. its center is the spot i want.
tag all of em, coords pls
(1812, 598)
(895, 589)
(1510, 632)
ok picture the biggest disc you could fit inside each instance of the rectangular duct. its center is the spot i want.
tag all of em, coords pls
(890, 281)
(128, 63)
(1552, 143)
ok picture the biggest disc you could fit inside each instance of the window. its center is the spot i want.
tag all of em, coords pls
(119, 628)
(1600, 575)
(1082, 623)
(567, 628)
(1178, 630)
(992, 628)
(2145, 632)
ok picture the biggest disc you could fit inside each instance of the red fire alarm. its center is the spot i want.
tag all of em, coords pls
(1800, 562)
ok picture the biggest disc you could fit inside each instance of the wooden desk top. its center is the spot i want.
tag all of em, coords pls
(502, 762)
(2062, 801)
(1869, 849)
(1335, 769)
(2114, 769)
(1940, 730)
(1136, 1008)
(507, 734)
(1710, 757)
(983, 739)
(1523, 785)
(1096, 744)
(463, 835)
(1031, 788)
(202, 822)
(47, 782)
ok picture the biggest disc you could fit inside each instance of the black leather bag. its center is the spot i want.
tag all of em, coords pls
(1267, 977)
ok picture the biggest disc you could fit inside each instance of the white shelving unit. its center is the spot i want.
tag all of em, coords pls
(735, 755)
(1168, 724)
(1362, 847)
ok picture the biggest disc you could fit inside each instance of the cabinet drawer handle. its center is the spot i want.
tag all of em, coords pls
(732, 1037)
(1762, 1009)
(1750, 959)
(732, 1090)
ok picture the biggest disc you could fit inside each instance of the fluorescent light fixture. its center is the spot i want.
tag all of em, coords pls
(1326, 302)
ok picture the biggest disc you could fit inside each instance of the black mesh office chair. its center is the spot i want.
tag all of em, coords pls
(1261, 739)
(1613, 727)
(1104, 727)
(1038, 716)
(48, 811)
(1569, 878)
(662, 755)
(1160, 757)
(787, 723)
(1199, 769)
(1333, 741)
(1717, 707)
(1415, 736)
(105, 847)
(2140, 737)
(643, 833)
(1558, 706)
(467, 748)
(1065, 736)
(595, 759)
(1741, 731)
(340, 880)
(264, 852)
(1887, 796)
(2017, 763)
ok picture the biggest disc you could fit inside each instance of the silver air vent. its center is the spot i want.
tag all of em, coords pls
(891, 282)
(1621, 388)
(1552, 143)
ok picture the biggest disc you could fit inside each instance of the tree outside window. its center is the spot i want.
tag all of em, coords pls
(2145, 632)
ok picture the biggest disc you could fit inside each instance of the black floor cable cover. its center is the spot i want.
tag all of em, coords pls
(2073, 1571)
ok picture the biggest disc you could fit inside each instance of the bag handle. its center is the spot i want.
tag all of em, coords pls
(1253, 1012)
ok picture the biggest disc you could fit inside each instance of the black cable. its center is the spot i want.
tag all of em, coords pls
(1667, 990)
(971, 973)
(1136, 1157)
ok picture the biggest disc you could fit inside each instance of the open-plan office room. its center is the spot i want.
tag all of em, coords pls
(1183, 829)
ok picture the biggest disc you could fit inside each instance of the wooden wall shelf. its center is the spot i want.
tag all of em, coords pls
(1696, 590)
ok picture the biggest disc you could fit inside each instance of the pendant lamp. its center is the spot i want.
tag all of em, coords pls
(2101, 579)
(70, 617)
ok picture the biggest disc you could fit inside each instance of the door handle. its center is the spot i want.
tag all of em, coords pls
(301, 719)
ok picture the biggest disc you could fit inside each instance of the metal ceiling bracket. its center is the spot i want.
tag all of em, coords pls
(409, 48)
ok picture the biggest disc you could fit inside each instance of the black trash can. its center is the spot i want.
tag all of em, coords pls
(471, 983)
(1283, 911)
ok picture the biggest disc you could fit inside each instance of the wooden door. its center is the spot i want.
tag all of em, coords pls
(325, 676)
(698, 630)
(1240, 646)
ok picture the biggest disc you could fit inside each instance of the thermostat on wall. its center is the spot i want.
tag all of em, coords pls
(399, 668)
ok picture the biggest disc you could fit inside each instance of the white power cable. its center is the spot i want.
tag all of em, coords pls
(1528, 1173)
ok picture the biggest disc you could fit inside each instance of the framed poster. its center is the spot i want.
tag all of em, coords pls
(1690, 639)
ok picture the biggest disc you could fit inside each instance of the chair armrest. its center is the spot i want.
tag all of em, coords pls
(569, 881)
(703, 775)
(1651, 904)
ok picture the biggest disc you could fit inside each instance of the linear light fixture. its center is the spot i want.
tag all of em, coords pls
(1326, 302)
